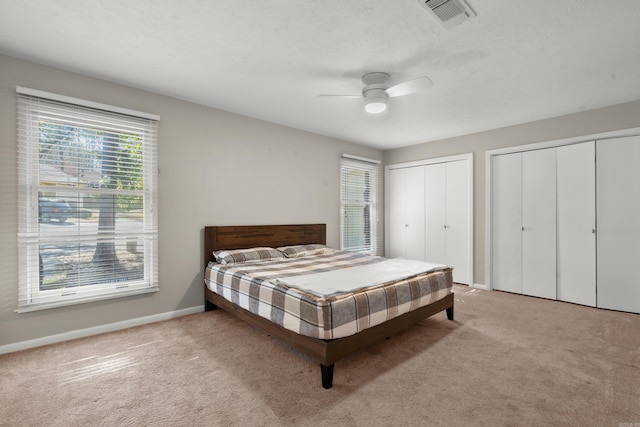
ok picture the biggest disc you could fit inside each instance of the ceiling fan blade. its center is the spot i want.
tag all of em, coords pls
(340, 96)
(410, 86)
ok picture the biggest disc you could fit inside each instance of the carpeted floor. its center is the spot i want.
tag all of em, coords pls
(505, 360)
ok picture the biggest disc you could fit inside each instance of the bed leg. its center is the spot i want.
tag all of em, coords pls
(450, 313)
(327, 375)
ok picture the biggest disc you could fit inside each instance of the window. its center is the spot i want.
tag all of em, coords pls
(87, 201)
(359, 198)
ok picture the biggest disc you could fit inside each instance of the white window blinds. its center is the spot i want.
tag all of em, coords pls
(87, 201)
(359, 199)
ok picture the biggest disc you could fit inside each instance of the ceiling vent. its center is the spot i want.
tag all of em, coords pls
(448, 13)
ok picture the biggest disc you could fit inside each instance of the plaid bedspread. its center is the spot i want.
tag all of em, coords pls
(253, 286)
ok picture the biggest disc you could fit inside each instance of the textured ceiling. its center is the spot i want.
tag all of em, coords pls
(516, 62)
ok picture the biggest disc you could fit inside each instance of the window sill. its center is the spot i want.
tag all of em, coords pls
(57, 304)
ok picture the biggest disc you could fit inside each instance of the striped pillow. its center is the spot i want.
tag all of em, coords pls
(297, 251)
(238, 256)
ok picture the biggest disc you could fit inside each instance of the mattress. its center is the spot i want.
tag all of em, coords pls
(266, 288)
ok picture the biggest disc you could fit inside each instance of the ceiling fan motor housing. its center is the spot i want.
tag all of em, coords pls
(374, 92)
(375, 84)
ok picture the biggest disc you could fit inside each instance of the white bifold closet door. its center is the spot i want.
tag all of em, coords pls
(576, 177)
(406, 211)
(506, 224)
(539, 223)
(458, 221)
(435, 178)
(447, 217)
(618, 233)
(430, 216)
(524, 223)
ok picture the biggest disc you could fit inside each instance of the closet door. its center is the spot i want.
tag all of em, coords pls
(447, 215)
(458, 220)
(576, 177)
(406, 210)
(397, 209)
(506, 225)
(539, 223)
(436, 213)
(618, 218)
(415, 214)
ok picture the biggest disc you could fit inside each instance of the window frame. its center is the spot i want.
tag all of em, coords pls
(362, 164)
(31, 296)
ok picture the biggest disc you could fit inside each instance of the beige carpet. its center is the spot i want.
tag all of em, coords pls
(505, 360)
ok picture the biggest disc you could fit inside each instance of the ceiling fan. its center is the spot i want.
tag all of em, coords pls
(376, 90)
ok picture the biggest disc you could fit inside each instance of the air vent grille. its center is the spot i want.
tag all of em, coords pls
(448, 12)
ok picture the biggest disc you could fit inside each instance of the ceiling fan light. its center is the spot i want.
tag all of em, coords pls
(375, 105)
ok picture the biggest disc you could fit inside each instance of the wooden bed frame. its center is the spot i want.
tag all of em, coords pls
(324, 352)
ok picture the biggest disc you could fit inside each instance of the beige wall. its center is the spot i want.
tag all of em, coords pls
(216, 168)
(617, 117)
(221, 168)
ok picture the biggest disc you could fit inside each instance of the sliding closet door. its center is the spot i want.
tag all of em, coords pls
(459, 220)
(576, 176)
(539, 223)
(618, 217)
(506, 225)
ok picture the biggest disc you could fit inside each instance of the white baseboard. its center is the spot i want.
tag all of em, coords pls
(479, 286)
(110, 327)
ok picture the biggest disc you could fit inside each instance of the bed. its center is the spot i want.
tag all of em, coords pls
(323, 343)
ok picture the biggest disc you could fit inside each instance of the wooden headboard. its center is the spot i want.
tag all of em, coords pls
(249, 236)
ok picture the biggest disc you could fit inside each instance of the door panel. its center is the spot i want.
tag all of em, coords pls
(436, 212)
(458, 221)
(506, 244)
(415, 214)
(618, 219)
(397, 209)
(539, 223)
(576, 174)
(406, 213)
